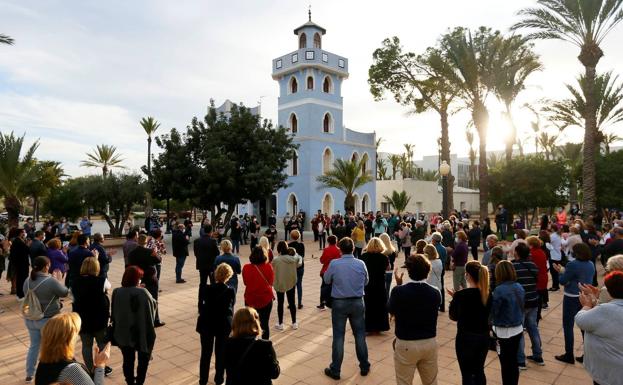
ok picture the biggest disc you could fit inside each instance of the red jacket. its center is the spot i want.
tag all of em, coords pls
(259, 289)
(540, 260)
(330, 253)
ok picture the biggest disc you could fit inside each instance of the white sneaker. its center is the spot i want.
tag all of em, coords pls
(279, 326)
(295, 325)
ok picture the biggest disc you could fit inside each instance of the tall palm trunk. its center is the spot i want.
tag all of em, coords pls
(349, 203)
(148, 202)
(481, 121)
(13, 207)
(445, 155)
(512, 138)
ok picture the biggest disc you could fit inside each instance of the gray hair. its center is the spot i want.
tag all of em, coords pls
(492, 237)
(437, 236)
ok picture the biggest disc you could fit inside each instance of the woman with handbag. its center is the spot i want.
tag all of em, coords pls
(285, 265)
(216, 309)
(249, 360)
(93, 306)
(133, 314)
(258, 277)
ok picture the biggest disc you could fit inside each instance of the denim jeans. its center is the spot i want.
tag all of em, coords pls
(235, 246)
(179, 265)
(34, 331)
(322, 240)
(299, 283)
(531, 326)
(87, 345)
(570, 307)
(352, 310)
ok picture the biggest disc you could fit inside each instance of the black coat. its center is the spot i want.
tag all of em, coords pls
(473, 237)
(206, 251)
(258, 367)
(19, 257)
(147, 261)
(216, 309)
(91, 302)
(179, 243)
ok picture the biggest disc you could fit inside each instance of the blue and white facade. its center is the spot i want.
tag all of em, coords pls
(311, 108)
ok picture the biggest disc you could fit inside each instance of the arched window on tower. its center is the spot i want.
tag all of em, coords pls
(326, 85)
(294, 85)
(327, 123)
(310, 83)
(302, 41)
(294, 124)
(295, 165)
(327, 160)
(364, 163)
(317, 40)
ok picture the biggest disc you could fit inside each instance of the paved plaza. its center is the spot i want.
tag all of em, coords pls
(302, 353)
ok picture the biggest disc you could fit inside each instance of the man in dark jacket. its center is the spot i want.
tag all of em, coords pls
(77, 256)
(147, 259)
(37, 247)
(179, 241)
(206, 251)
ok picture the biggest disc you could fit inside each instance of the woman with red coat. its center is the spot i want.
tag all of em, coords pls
(258, 277)
(538, 256)
(329, 253)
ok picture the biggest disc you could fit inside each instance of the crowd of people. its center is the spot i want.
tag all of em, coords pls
(375, 270)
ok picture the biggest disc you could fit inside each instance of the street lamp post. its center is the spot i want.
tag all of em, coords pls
(444, 170)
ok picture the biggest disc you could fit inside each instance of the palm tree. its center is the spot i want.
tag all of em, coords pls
(346, 176)
(536, 125)
(398, 200)
(548, 143)
(377, 144)
(405, 167)
(475, 59)
(571, 154)
(394, 160)
(150, 125)
(4, 39)
(15, 173)
(429, 176)
(584, 23)
(469, 136)
(608, 99)
(417, 81)
(381, 169)
(495, 161)
(409, 148)
(103, 157)
(48, 176)
(610, 139)
(510, 80)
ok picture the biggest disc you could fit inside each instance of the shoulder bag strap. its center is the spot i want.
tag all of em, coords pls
(262, 274)
(244, 356)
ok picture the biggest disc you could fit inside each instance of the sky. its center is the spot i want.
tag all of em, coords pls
(83, 73)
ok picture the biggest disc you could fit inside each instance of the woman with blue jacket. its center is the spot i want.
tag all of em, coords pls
(507, 315)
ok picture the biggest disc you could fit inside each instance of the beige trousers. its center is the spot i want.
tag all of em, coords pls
(420, 354)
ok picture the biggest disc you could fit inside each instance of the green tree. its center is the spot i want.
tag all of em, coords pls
(48, 176)
(17, 172)
(409, 149)
(608, 140)
(150, 125)
(524, 184)
(475, 58)
(65, 200)
(4, 39)
(469, 136)
(394, 160)
(113, 197)
(104, 157)
(571, 155)
(548, 144)
(429, 176)
(398, 200)
(609, 171)
(608, 101)
(509, 80)
(419, 82)
(381, 169)
(346, 176)
(584, 23)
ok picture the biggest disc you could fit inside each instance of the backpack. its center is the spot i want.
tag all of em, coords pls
(31, 307)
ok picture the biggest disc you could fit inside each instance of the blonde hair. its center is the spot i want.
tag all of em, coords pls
(615, 263)
(54, 244)
(223, 273)
(430, 252)
(533, 241)
(90, 266)
(295, 235)
(375, 245)
(480, 275)
(360, 224)
(389, 248)
(461, 235)
(58, 338)
(505, 271)
(264, 243)
(246, 323)
(226, 246)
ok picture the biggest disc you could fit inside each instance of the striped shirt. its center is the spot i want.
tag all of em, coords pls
(527, 273)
